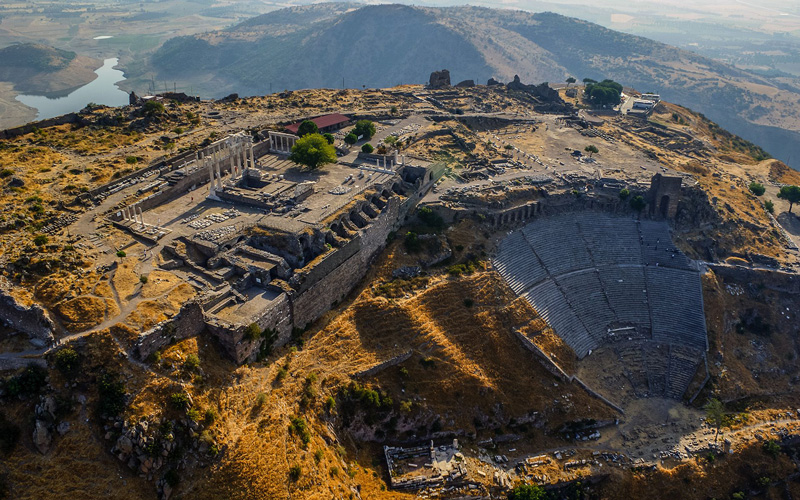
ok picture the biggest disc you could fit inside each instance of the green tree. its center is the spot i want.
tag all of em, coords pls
(607, 92)
(393, 110)
(716, 416)
(329, 138)
(351, 138)
(570, 80)
(391, 141)
(313, 151)
(790, 194)
(638, 203)
(527, 492)
(307, 127)
(591, 149)
(757, 188)
(367, 148)
(365, 128)
(769, 206)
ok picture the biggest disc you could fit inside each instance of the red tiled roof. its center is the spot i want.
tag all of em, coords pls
(321, 121)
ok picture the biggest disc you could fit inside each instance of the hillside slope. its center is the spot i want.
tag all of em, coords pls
(381, 46)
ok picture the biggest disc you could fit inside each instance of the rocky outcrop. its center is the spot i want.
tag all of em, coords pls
(32, 320)
(492, 81)
(465, 84)
(42, 437)
(439, 79)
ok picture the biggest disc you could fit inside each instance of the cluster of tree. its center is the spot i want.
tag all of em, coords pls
(607, 92)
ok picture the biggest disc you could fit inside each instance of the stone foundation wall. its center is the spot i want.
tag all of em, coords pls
(328, 263)
(187, 323)
(319, 298)
(32, 321)
(384, 365)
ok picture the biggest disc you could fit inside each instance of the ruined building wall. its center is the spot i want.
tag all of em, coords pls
(187, 323)
(277, 317)
(319, 298)
(32, 320)
(327, 264)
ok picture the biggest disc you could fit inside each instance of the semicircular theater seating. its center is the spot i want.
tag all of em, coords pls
(600, 279)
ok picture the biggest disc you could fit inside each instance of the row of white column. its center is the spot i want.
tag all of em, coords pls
(281, 143)
(391, 162)
(237, 149)
(133, 214)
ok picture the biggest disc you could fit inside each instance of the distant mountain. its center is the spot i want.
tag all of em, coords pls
(384, 45)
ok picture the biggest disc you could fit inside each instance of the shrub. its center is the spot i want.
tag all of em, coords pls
(193, 414)
(330, 403)
(111, 392)
(624, 193)
(299, 428)
(281, 374)
(261, 399)
(469, 302)
(295, 472)
(756, 188)
(318, 456)
(40, 239)
(333, 471)
(638, 203)
(427, 362)
(191, 363)
(121, 253)
(9, 435)
(153, 108)
(210, 417)
(6, 172)
(769, 207)
(412, 242)
(28, 382)
(252, 332)
(527, 492)
(179, 400)
(367, 148)
(771, 448)
(329, 138)
(431, 218)
(67, 361)
(131, 160)
(351, 138)
(143, 279)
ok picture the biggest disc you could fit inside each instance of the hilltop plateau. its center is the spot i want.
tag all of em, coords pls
(383, 45)
(260, 330)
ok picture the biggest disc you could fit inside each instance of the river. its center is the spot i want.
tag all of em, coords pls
(101, 90)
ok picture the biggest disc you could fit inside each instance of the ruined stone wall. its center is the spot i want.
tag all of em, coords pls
(277, 317)
(328, 263)
(384, 365)
(319, 298)
(32, 321)
(187, 323)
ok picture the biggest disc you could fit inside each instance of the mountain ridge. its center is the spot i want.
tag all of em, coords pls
(384, 45)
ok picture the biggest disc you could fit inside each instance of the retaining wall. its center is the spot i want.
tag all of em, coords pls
(187, 323)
